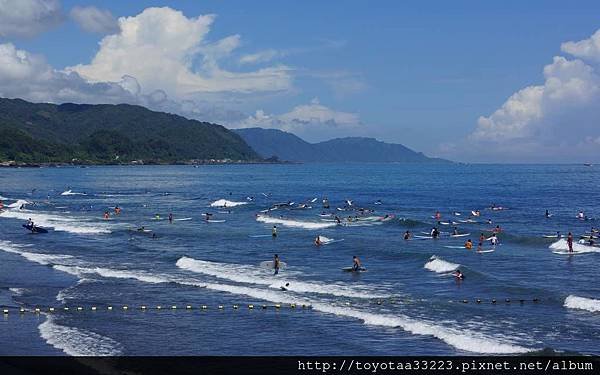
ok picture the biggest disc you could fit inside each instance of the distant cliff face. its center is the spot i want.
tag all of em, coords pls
(286, 146)
(39, 133)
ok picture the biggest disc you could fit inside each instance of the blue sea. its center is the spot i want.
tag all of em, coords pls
(406, 303)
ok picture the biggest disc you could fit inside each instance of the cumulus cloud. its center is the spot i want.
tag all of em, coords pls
(310, 119)
(26, 18)
(177, 58)
(94, 20)
(585, 49)
(554, 121)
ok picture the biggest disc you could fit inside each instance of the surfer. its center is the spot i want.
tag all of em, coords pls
(407, 235)
(459, 275)
(285, 288)
(325, 203)
(337, 220)
(570, 241)
(469, 244)
(356, 263)
(276, 264)
(558, 234)
(547, 214)
(106, 215)
(207, 216)
(117, 210)
(170, 218)
(29, 224)
(581, 215)
(494, 240)
(455, 231)
(438, 215)
(497, 229)
(318, 241)
(141, 229)
(274, 231)
(489, 221)
(480, 245)
(435, 233)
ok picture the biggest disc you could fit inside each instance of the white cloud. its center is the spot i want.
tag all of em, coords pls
(585, 49)
(165, 50)
(312, 118)
(26, 18)
(94, 20)
(552, 121)
(261, 56)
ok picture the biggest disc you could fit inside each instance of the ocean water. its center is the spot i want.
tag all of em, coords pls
(407, 303)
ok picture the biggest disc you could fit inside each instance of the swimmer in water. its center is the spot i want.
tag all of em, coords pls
(318, 241)
(276, 264)
(407, 235)
(459, 275)
(274, 231)
(469, 244)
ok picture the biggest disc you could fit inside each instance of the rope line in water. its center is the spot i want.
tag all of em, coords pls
(51, 309)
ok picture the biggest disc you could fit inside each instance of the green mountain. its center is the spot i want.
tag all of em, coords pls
(288, 147)
(47, 133)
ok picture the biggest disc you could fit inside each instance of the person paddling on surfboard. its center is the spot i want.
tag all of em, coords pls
(285, 288)
(494, 240)
(407, 235)
(276, 264)
(455, 231)
(29, 224)
(356, 266)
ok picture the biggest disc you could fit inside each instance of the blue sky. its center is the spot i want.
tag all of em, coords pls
(420, 73)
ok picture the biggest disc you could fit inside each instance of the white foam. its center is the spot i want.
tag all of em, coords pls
(461, 339)
(77, 342)
(44, 259)
(577, 247)
(295, 223)
(18, 203)
(17, 291)
(581, 303)
(226, 203)
(70, 192)
(59, 223)
(439, 265)
(253, 275)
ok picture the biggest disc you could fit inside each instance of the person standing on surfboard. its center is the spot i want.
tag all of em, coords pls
(170, 218)
(276, 264)
(355, 263)
(274, 231)
(570, 242)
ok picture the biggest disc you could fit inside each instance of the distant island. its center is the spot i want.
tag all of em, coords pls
(289, 147)
(43, 133)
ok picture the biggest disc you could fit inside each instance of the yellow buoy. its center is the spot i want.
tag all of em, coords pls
(188, 307)
(250, 307)
(51, 309)
(174, 307)
(220, 307)
(278, 306)
(21, 310)
(235, 307)
(79, 308)
(143, 307)
(5, 311)
(125, 307)
(110, 308)
(204, 307)
(293, 305)
(66, 308)
(158, 307)
(93, 308)
(37, 310)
